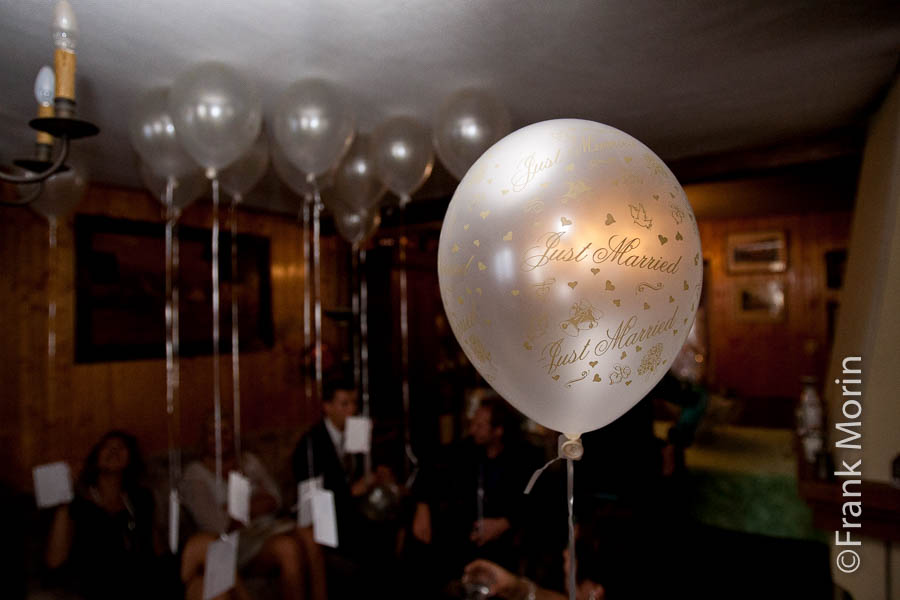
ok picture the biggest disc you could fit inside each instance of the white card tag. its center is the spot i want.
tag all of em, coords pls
(324, 518)
(358, 435)
(238, 497)
(304, 507)
(174, 517)
(221, 565)
(52, 484)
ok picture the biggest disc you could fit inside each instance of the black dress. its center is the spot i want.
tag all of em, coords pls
(112, 553)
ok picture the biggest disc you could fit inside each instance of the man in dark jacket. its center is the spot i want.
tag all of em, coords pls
(320, 452)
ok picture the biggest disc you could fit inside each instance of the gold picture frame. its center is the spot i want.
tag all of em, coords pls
(757, 252)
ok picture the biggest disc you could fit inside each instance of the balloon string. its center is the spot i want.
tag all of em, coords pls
(235, 334)
(411, 460)
(570, 501)
(364, 345)
(364, 332)
(479, 499)
(170, 359)
(217, 392)
(307, 316)
(354, 303)
(309, 457)
(176, 349)
(317, 278)
(51, 318)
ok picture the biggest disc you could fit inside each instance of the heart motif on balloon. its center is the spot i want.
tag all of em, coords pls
(545, 323)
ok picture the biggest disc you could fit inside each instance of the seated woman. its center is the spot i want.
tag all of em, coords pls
(266, 544)
(102, 544)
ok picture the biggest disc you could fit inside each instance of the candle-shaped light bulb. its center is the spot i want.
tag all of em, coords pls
(44, 85)
(65, 27)
(65, 36)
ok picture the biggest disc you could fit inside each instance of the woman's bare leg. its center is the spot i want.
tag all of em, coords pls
(193, 566)
(315, 562)
(283, 552)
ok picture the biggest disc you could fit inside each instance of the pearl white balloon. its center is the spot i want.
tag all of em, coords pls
(313, 125)
(242, 175)
(154, 137)
(62, 192)
(217, 113)
(296, 179)
(403, 155)
(188, 187)
(570, 269)
(356, 184)
(356, 227)
(466, 125)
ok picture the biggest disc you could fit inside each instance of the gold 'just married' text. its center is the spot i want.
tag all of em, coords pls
(559, 353)
(529, 167)
(620, 250)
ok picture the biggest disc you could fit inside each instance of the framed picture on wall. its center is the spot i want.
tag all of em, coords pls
(761, 301)
(120, 290)
(764, 251)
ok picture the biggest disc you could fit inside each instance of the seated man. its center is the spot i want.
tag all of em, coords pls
(320, 452)
(471, 510)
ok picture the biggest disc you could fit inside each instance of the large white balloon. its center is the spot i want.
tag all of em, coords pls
(313, 125)
(217, 113)
(154, 137)
(467, 124)
(570, 269)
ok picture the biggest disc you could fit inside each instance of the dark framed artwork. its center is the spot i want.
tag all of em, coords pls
(763, 251)
(120, 290)
(761, 301)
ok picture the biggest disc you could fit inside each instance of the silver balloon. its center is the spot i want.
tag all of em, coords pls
(188, 187)
(294, 178)
(313, 125)
(217, 113)
(243, 174)
(467, 124)
(62, 193)
(356, 185)
(403, 155)
(357, 227)
(154, 137)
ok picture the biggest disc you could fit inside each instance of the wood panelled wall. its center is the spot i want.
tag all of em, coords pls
(766, 359)
(93, 398)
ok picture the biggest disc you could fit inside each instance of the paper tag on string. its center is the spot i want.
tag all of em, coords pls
(324, 518)
(174, 517)
(358, 435)
(52, 484)
(221, 566)
(238, 497)
(304, 506)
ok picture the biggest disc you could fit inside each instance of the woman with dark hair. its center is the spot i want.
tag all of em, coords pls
(102, 544)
